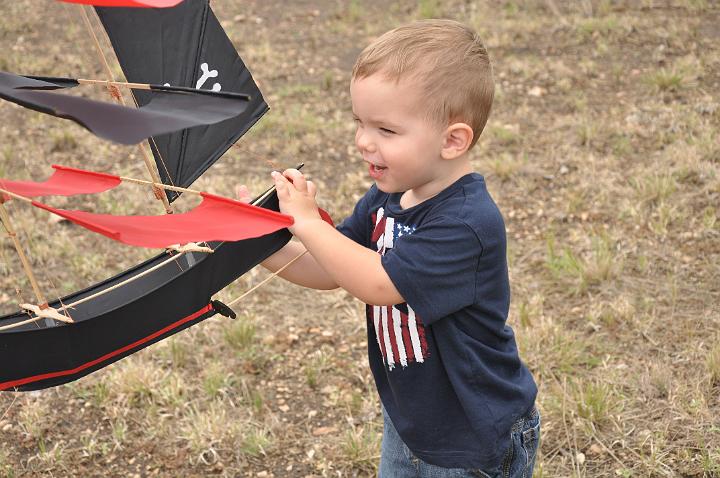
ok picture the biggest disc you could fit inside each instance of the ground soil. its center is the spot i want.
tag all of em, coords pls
(602, 152)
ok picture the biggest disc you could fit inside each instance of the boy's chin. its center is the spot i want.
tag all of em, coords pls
(387, 189)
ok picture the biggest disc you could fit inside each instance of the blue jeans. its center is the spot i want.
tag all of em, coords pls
(397, 461)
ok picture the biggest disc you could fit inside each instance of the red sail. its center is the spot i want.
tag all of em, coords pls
(128, 3)
(65, 181)
(215, 219)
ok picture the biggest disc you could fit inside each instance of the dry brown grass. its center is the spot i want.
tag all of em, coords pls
(602, 152)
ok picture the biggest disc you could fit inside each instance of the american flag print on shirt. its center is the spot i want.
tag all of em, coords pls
(399, 331)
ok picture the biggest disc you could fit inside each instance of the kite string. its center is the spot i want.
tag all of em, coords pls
(48, 276)
(18, 290)
(7, 410)
(267, 279)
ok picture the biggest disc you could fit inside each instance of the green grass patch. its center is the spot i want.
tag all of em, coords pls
(595, 401)
(602, 26)
(241, 332)
(713, 364)
(654, 187)
(359, 448)
(601, 265)
(255, 441)
(429, 9)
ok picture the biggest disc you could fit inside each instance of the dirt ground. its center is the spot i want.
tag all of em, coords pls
(602, 152)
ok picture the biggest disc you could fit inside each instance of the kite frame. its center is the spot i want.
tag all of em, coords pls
(126, 319)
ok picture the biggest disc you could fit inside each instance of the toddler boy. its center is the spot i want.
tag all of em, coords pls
(426, 249)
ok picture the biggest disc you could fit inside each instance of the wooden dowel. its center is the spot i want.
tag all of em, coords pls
(18, 324)
(13, 195)
(5, 217)
(183, 190)
(126, 84)
(149, 164)
(125, 282)
(160, 185)
(152, 269)
(142, 274)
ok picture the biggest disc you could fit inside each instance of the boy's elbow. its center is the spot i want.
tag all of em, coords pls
(383, 296)
(327, 286)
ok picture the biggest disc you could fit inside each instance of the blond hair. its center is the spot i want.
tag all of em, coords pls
(449, 62)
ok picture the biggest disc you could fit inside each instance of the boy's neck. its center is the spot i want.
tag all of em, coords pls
(413, 197)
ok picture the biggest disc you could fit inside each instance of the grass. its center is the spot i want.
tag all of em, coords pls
(654, 187)
(319, 362)
(429, 9)
(506, 166)
(255, 441)
(680, 75)
(600, 266)
(215, 380)
(594, 27)
(595, 402)
(359, 448)
(203, 429)
(713, 364)
(240, 334)
(7, 470)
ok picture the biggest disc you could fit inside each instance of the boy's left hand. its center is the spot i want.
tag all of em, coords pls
(296, 196)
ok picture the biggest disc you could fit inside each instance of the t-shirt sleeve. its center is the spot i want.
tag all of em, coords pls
(434, 268)
(356, 226)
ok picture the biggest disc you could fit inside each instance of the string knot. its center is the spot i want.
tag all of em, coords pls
(114, 92)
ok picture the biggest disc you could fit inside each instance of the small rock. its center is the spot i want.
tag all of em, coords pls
(536, 91)
(595, 449)
(580, 458)
(323, 431)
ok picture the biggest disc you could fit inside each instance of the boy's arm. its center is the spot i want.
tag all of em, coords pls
(305, 271)
(351, 266)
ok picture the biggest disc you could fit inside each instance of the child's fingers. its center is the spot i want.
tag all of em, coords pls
(296, 178)
(281, 184)
(242, 193)
(311, 188)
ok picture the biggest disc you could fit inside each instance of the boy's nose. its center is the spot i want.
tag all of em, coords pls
(363, 141)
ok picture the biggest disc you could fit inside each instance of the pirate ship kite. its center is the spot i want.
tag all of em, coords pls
(171, 56)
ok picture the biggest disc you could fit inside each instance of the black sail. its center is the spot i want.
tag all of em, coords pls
(183, 46)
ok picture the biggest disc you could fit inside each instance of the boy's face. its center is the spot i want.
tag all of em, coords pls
(401, 146)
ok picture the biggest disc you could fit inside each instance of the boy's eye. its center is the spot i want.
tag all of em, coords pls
(387, 131)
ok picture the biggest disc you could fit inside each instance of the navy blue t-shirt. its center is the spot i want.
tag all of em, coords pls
(445, 363)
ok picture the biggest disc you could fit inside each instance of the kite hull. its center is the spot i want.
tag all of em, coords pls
(121, 322)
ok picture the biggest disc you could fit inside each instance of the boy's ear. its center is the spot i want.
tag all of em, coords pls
(458, 137)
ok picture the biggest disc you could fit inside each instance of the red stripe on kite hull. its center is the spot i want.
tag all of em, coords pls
(63, 373)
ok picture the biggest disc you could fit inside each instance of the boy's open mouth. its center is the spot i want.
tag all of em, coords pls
(376, 171)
